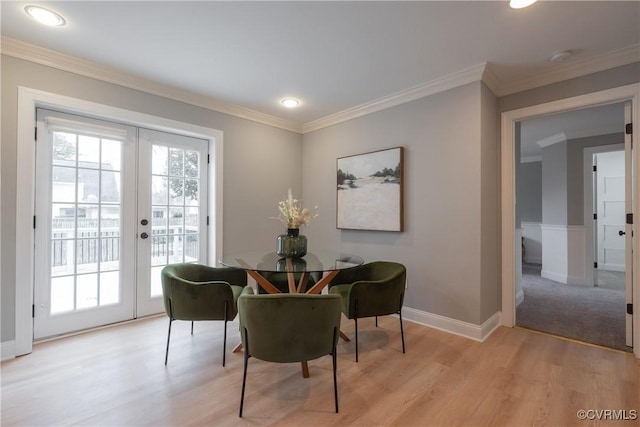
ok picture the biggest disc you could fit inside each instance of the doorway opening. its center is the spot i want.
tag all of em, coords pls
(511, 241)
(564, 219)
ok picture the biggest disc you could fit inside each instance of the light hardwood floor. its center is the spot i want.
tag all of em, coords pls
(116, 377)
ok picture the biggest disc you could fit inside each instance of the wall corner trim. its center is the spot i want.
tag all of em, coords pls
(453, 326)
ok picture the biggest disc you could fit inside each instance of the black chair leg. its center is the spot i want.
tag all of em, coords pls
(224, 340)
(376, 321)
(356, 320)
(166, 354)
(244, 375)
(192, 327)
(334, 357)
(401, 329)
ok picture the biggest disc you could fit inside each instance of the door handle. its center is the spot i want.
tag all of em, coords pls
(621, 233)
(144, 222)
(144, 235)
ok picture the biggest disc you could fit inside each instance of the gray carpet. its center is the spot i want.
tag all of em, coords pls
(591, 314)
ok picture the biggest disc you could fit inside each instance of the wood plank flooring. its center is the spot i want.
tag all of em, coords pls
(116, 377)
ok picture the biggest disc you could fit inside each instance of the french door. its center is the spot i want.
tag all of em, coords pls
(114, 204)
(172, 210)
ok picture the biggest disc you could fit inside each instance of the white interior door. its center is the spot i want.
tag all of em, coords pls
(173, 211)
(114, 205)
(84, 223)
(610, 202)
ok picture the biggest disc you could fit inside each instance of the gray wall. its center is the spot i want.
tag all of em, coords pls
(260, 162)
(529, 191)
(450, 197)
(554, 184)
(490, 262)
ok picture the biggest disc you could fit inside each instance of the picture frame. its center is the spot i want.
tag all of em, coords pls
(369, 192)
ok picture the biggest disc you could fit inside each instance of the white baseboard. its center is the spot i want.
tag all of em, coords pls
(8, 350)
(453, 326)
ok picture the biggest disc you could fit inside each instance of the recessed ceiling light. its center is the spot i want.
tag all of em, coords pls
(45, 16)
(560, 56)
(290, 102)
(519, 4)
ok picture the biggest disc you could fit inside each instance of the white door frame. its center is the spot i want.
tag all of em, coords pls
(508, 199)
(28, 100)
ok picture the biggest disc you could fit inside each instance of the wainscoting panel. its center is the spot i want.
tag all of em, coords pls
(563, 253)
(7, 350)
(576, 255)
(518, 246)
(532, 234)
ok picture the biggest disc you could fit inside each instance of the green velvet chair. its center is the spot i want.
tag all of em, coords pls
(373, 289)
(286, 328)
(199, 292)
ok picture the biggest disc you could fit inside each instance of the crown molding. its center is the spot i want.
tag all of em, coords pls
(553, 139)
(572, 69)
(60, 61)
(432, 87)
(491, 79)
(482, 72)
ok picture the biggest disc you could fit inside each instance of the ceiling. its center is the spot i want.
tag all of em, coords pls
(333, 56)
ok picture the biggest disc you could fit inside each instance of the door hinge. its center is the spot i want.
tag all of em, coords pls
(34, 222)
(628, 128)
(208, 158)
(629, 308)
(33, 311)
(629, 218)
(35, 135)
(595, 216)
(595, 265)
(207, 219)
(595, 168)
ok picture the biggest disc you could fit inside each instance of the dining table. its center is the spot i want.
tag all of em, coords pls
(325, 264)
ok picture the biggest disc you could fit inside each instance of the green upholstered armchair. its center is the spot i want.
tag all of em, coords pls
(373, 289)
(199, 292)
(288, 328)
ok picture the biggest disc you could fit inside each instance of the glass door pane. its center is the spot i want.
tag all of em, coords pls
(83, 279)
(175, 213)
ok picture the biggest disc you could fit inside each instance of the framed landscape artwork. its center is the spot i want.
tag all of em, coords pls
(370, 191)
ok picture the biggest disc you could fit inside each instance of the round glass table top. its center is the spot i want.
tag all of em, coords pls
(272, 262)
